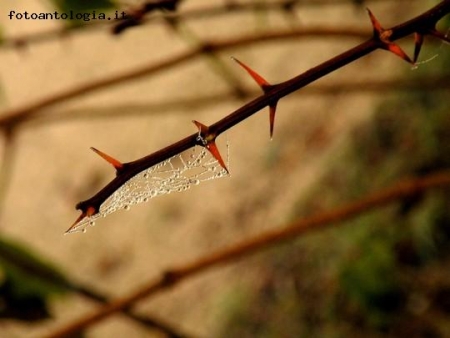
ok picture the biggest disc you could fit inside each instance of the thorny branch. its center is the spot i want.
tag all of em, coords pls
(423, 24)
(173, 276)
(381, 39)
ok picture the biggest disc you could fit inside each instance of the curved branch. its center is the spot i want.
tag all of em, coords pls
(12, 117)
(210, 11)
(130, 109)
(173, 276)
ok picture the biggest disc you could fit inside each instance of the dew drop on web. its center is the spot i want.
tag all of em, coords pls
(177, 174)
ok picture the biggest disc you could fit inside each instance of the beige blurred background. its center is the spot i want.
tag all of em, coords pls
(53, 168)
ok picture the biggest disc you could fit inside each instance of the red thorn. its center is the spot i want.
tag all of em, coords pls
(208, 141)
(383, 36)
(264, 86)
(201, 127)
(89, 212)
(115, 163)
(418, 41)
(258, 78)
(377, 29)
(211, 146)
(394, 48)
(272, 111)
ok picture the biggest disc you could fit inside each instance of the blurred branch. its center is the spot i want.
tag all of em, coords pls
(208, 12)
(14, 116)
(174, 276)
(37, 271)
(146, 321)
(129, 109)
(213, 60)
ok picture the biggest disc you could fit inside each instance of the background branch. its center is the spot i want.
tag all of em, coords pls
(130, 109)
(23, 41)
(14, 116)
(174, 276)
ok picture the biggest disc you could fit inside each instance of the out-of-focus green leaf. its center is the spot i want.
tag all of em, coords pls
(26, 282)
(36, 276)
(82, 6)
(85, 8)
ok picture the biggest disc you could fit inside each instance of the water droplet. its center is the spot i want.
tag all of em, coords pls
(145, 175)
(84, 230)
(127, 207)
(91, 223)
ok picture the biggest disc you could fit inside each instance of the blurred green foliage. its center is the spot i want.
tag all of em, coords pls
(82, 6)
(27, 282)
(65, 6)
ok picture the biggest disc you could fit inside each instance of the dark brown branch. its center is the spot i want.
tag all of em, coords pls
(276, 92)
(173, 276)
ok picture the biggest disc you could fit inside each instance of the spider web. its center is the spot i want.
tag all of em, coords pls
(176, 174)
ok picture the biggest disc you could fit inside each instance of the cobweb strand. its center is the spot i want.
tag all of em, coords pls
(176, 174)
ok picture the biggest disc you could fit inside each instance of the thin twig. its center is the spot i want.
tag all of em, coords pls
(210, 11)
(17, 115)
(173, 276)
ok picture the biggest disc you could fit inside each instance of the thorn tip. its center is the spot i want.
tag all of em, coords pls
(111, 160)
(89, 212)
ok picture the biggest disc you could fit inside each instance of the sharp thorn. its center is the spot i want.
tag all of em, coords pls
(383, 36)
(89, 212)
(209, 143)
(394, 48)
(212, 147)
(201, 127)
(272, 111)
(264, 86)
(418, 41)
(377, 28)
(258, 78)
(115, 163)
